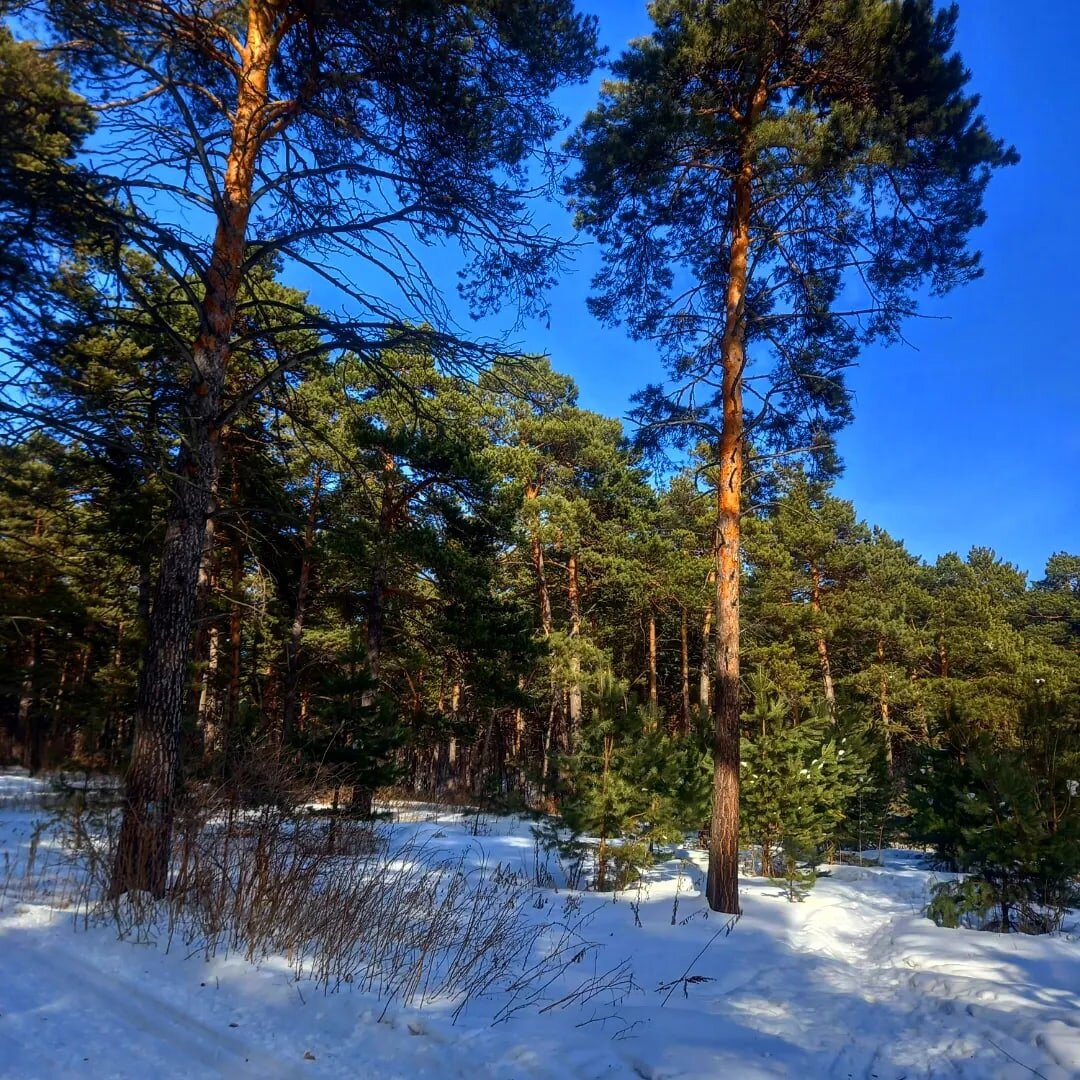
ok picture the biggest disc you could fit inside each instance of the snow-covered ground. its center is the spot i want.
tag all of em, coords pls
(853, 982)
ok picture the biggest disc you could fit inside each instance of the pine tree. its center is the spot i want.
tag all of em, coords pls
(1053, 604)
(883, 643)
(411, 125)
(351, 740)
(47, 201)
(752, 168)
(799, 780)
(979, 659)
(631, 785)
(805, 558)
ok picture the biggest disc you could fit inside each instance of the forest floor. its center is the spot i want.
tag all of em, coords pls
(854, 981)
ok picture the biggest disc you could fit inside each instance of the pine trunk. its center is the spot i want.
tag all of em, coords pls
(112, 735)
(209, 715)
(883, 706)
(685, 658)
(822, 644)
(375, 614)
(55, 724)
(452, 749)
(722, 885)
(705, 680)
(943, 657)
(201, 647)
(653, 692)
(542, 593)
(142, 856)
(574, 692)
(232, 697)
(551, 734)
(290, 693)
(28, 726)
(361, 798)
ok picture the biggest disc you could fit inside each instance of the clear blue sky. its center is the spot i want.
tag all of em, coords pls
(972, 434)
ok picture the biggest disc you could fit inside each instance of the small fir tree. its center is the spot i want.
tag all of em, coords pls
(355, 739)
(799, 780)
(631, 785)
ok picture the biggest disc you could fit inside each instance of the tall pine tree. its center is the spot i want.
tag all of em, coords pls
(772, 182)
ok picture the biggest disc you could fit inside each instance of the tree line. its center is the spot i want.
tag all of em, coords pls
(467, 585)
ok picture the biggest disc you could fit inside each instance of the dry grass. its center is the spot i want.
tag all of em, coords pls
(340, 900)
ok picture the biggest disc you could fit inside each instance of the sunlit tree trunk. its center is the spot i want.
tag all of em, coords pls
(653, 689)
(452, 749)
(821, 643)
(142, 855)
(209, 716)
(722, 885)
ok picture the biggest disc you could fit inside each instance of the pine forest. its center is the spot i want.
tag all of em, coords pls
(295, 533)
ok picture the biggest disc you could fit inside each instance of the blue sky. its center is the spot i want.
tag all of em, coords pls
(971, 434)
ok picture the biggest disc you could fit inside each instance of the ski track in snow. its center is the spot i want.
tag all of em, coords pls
(853, 983)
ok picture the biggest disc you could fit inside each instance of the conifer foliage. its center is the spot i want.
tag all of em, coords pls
(632, 786)
(279, 130)
(1007, 815)
(800, 781)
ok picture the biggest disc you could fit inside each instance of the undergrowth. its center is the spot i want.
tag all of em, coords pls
(343, 902)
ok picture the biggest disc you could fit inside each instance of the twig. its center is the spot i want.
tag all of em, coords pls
(1034, 1072)
(725, 930)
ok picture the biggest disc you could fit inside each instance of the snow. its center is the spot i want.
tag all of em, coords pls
(17, 788)
(852, 982)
